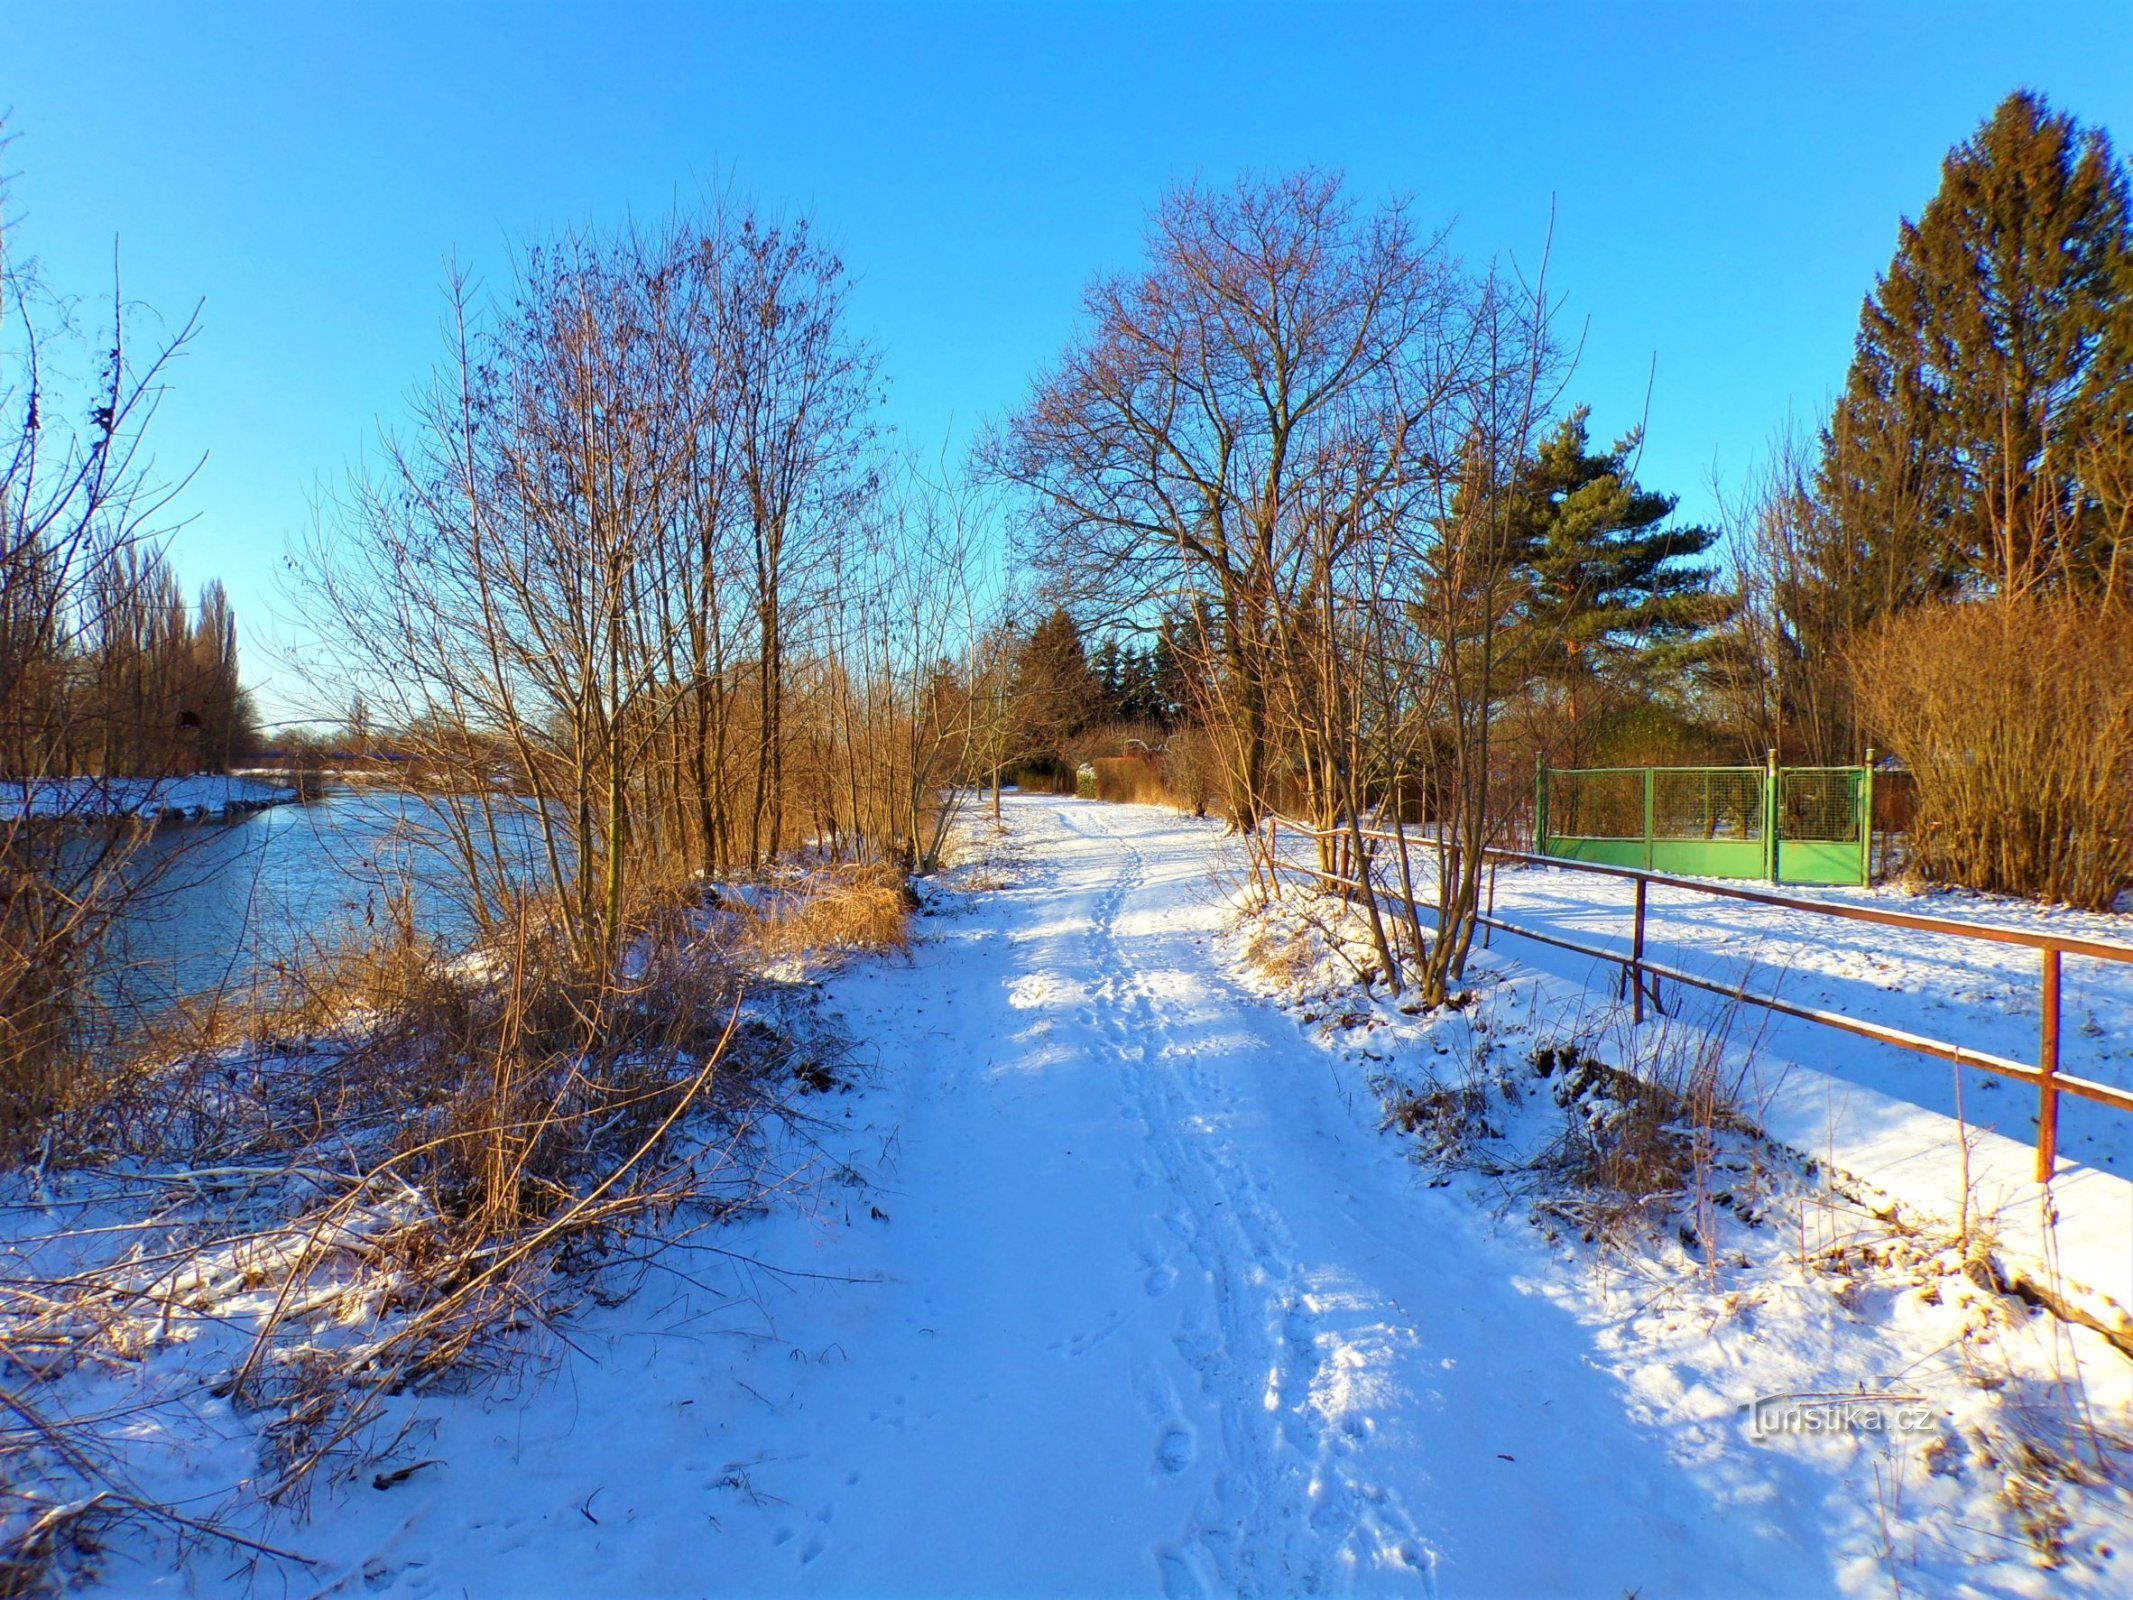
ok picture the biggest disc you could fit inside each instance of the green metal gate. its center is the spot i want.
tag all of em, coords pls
(1771, 823)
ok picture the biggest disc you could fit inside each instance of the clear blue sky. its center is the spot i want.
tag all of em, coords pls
(1726, 178)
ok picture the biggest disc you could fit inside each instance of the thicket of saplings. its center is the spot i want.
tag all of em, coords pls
(680, 720)
(2016, 719)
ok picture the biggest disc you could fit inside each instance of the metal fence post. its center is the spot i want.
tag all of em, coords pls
(1648, 777)
(1770, 813)
(1540, 804)
(1866, 821)
(2048, 1073)
(1636, 959)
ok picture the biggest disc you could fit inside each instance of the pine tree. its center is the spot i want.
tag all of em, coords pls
(1993, 353)
(1110, 676)
(1184, 644)
(1055, 692)
(1138, 698)
(1614, 594)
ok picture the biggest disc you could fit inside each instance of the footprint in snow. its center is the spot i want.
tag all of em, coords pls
(1174, 1454)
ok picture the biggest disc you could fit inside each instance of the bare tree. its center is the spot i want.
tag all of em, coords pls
(636, 589)
(1469, 557)
(82, 513)
(803, 389)
(1179, 450)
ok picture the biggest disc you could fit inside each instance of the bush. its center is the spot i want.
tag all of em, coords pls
(850, 908)
(1192, 770)
(1131, 780)
(2016, 719)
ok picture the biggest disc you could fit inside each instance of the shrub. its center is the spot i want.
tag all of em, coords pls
(39, 1001)
(2016, 719)
(1131, 780)
(1192, 770)
(865, 907)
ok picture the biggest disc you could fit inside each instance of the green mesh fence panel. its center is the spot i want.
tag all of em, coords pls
(1597, 805)
(1721, 822)
(1819, 803)
(1707, 803)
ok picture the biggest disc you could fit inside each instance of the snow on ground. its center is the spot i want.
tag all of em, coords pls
(1755, 1267)
(1890, 1116)
(1124, 1290)
(1985, 996)
(191, 798)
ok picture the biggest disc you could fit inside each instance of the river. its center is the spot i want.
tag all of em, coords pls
(226, 902)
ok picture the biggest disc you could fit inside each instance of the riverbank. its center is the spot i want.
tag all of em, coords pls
(292, 1240)
(197, 797)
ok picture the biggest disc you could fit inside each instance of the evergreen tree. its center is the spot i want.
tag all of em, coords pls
(1055, 692)
(1991, 356)
(1184, 644)
(1138, 698)
(1614, 595)
(1110, 672)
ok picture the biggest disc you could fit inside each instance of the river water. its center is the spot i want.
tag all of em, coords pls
(227, 902)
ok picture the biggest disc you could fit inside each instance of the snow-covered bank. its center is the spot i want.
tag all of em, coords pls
(233, 1275)
(1939, 1138)
(1982, 995)
(194, 798)
(1766, 1263)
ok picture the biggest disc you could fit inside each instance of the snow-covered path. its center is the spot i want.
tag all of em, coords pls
(1145, 1305)
(1161, 1313)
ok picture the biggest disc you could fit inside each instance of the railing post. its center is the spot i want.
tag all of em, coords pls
(1273, 853)
(1636, 959)
(1540, 804)
(2048, 1070)
(1487, 927)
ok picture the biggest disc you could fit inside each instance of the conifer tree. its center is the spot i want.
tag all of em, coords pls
(1614, 589)
(1993, 353)
(1110, 670)
(1055, 691)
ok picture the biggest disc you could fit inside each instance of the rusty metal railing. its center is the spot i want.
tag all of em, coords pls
(1639, 970)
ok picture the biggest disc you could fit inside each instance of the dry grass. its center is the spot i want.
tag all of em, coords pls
(1132, 780)
(1283, 955)
(853, 909)
(1639, 1143)
(1138, 764)
(400, 1171)
(2016, 718)
(1447, 1120)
